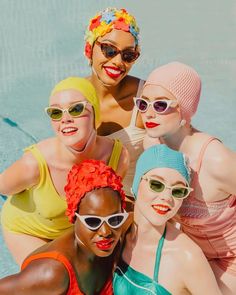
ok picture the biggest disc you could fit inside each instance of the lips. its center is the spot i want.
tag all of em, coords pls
(68, 131)
(105, 244)
(161, 209)
(151, 124)
(113, 72)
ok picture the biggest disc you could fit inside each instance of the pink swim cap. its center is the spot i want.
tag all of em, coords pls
(183, 82)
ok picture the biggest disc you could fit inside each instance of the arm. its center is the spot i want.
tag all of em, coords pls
(40, 277)
(24, 173)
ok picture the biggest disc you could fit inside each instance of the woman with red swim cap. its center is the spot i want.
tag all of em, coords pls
(81, 261)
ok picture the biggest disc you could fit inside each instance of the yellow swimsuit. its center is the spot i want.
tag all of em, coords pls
(40, 210)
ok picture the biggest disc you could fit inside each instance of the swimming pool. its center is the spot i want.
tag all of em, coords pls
(42, 42)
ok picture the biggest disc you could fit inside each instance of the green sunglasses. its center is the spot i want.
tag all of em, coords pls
(75, 110)
(177, 191)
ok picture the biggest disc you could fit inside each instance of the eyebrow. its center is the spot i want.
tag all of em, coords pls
(155, 98)
(73, 103)
(115, 44)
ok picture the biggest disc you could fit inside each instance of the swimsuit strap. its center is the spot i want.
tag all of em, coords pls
(115, 155)
(158, 256)
(202, 152)
(135, 109)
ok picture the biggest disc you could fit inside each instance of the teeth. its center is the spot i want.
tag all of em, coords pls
(68, 130)
(161, 208)
(115, 72)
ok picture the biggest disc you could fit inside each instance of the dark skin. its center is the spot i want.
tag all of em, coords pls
(92, 266)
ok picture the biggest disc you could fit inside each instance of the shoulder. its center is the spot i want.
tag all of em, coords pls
(130, 85)
(186, 252)
(41, 276)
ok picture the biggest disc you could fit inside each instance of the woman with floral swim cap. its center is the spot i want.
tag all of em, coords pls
(157, 258)
(208, 216)
(80, 261)
(112, 47)
(35, 212)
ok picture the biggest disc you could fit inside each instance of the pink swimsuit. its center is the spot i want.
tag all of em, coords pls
(211, 225)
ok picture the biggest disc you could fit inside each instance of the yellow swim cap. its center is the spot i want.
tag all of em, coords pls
(86, 88)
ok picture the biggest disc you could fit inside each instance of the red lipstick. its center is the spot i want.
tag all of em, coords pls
(161, 209)
(104, 244)
(151, 124)
(113, 72)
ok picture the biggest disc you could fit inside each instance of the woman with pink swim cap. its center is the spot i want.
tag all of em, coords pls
(169, 99)
(112, 47)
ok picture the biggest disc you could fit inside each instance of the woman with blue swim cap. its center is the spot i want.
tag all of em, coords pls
(158, 258)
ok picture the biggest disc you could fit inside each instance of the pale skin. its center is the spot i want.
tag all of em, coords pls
(60, 153)
(183, 267)
(115, 94)
(216, 180)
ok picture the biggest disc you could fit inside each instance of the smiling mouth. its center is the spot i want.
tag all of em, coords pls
(113, 72)
(161, 209)
(69, 131)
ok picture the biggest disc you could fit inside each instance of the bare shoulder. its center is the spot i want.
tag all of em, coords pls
(184, 249)
(130, 86)
(218, 158)
(41, 276)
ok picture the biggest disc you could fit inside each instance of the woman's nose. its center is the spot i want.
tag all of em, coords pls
(104, 230)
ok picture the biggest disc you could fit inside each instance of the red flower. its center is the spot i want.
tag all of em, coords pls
(95, 22)
(88, 50)
(120, 24)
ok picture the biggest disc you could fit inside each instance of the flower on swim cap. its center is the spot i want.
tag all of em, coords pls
(159, 156)
(86, 177)
(107, 20)
(183, 82)
(84, 87)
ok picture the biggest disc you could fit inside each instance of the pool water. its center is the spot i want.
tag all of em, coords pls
(42, 43)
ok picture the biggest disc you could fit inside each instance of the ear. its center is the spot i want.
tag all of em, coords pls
(127, 225)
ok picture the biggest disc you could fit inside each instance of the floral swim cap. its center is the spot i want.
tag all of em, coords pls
(107, 20)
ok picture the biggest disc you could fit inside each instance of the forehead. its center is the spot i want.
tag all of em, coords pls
(169, 175)
(156, 91)
(119, 38)
(66, 97)
(102, 202)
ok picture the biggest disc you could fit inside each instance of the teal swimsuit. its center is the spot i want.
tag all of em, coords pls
(127, 280)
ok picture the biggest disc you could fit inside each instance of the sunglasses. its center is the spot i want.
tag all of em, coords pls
(128, 55)
(93, 222)
(159, 106)
(74, 111)
(177, 191)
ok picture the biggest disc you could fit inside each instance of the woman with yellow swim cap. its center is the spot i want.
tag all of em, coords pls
(35, 211)
(112, 47)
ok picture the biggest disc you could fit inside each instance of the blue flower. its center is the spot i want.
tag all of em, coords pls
(134, 32)
(108, 16)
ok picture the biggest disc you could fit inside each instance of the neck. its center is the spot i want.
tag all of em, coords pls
(143, 231)
(88, 150)
(177, 140)
(104, 90)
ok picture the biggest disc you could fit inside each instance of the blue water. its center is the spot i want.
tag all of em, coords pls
(42, 42)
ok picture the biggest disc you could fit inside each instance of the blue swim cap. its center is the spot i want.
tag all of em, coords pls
(159, 156)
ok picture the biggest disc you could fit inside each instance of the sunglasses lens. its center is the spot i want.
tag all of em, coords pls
(156, 185)
(141, 104)
(129, 55)
(109, 51)
(115, 221)
(93, 222)
(179, 192)
(160, 106)
(54, 113)
(76, 110)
